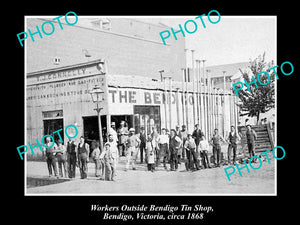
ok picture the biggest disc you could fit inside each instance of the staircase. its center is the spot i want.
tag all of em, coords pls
(264, 139)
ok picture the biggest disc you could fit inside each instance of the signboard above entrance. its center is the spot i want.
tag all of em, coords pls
(66, 73)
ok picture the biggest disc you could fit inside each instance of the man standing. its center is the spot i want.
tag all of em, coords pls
(143, 143)
(177, 129)
(50, 156)
(174, 146)
(233, 137)
(62, 158)
(190, 147)
(132, 144)
(198, 136)
(71, 158)
(215, 142)
(122, 137)
(163, 146)
(203, 153)
(109, 165)
(251, 138)
(113, 132)
(83, 157)
(114, 152)
(96, 157)
(183, 136)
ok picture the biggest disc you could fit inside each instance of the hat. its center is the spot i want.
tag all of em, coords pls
(131, 130)
(113, 124)
(107, 143)
(177, 126)
(122, 122)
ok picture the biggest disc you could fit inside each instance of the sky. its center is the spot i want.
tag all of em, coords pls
(233, 39)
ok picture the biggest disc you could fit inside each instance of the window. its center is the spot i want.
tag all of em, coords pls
(56, 60)
(52, 114)
(147, 117)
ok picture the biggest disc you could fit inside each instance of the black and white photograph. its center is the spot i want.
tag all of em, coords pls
(149, 105)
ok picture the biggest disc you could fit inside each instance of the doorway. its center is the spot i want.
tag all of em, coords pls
(91, 128)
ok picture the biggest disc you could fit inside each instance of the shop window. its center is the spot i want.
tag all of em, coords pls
(147, 117)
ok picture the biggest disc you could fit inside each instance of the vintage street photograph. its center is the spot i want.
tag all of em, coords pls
(145, 105)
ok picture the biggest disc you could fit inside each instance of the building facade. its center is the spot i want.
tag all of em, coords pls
(63, 68)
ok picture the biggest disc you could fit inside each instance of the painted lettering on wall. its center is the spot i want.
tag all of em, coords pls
(143, 97)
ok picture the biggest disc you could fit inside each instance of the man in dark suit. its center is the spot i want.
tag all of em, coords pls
(198, 136)
(71, 158)
(143, 143)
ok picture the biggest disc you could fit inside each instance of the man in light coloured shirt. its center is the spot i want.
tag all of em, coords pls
(163, 146)
(61, 155)
(113, 132)
(203, 153)
(114, 152)
(132, 144)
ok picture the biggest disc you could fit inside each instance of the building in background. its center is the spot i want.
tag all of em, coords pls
(123, 56)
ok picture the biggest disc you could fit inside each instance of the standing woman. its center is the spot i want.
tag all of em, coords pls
(83, 157)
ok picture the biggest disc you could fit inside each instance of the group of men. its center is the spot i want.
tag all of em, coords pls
(172, 147)
(178, 146)
(77, 155)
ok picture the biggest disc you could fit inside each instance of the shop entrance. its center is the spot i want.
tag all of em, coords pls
(91, 128)
(127, 118)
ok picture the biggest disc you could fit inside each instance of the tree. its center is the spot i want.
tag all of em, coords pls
(262, 98)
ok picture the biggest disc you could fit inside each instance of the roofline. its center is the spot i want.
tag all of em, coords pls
(65, 67)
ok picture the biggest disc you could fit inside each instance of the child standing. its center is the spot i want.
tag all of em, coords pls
(150, 153)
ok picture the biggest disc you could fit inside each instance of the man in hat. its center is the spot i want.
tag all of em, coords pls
(109, 162)
(114, 152)
(142, 137)
(132, 144)
(122, 137)
(113, 132)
